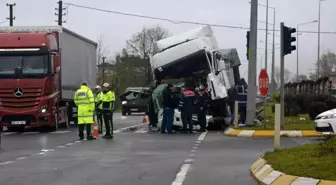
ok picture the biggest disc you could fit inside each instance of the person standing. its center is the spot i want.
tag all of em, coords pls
(108, 100)
(99, 111)
(242, 101)
(168, 110)
(187, 105)
(84, 100)
(203, 100)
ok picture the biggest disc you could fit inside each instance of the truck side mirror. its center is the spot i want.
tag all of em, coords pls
(56, 61)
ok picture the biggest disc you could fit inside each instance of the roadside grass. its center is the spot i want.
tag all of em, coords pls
(300, 122)
(317, 160)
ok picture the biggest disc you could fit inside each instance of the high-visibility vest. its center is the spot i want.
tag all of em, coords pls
(84, 100)
(99, 97)
(108, 100)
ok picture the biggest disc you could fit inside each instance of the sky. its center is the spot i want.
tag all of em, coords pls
(116, 29)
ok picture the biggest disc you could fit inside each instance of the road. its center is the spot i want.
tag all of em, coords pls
(136, 157)
(16, 145)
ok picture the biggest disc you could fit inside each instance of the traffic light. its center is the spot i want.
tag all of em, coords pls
(248, 45)
(288, 39)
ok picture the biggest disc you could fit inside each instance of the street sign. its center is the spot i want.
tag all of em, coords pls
(263, 82)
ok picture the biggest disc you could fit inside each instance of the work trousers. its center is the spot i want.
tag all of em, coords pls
(167, 120)
(242, 113)
(81, 128)
(108, 120)
(99, 113)
(201, 116)
(187, 120)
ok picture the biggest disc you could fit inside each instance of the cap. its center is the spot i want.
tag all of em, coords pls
(106, 85)
(98, 87)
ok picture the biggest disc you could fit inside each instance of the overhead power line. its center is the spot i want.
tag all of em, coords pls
(176, 21)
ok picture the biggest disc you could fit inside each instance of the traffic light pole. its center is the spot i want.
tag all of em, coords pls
(252, 76)
(282, 77)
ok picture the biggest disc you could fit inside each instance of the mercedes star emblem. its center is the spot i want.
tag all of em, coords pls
(18, 92)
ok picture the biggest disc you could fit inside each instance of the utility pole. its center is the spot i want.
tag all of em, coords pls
(103, 70)
(266, 36)
(60, 13)
(318, 40)
(273, 56)
(11, 17)
(252, 76)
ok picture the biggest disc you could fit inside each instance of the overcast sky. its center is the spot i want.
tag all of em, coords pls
(117, 28)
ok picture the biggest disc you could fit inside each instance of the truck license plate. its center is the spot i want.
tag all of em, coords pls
(134, 109)
(18, 122)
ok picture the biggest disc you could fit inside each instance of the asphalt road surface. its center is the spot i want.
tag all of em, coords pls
(14, 145)
(138, 157)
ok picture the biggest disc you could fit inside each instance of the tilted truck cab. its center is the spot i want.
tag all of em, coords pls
(37, 67)
(195, 54)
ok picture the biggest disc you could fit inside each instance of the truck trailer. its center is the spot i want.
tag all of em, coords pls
(40, 69)
(195, 56)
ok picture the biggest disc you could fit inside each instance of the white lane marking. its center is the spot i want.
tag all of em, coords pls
(62, 146)
(21, 158)
(30, 133)
(182, 174)
(6, 162)
(141, 131)
(188, 160)
(8, 133)
(202, 136)
(61, 132)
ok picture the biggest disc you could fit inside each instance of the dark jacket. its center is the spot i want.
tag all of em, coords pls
(204, 98)
(188, 101)
(241, 95)
(168, 99)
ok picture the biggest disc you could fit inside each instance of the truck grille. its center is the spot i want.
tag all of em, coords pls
(29, 99)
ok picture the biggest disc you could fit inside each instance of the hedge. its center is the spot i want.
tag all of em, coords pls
(308, 104)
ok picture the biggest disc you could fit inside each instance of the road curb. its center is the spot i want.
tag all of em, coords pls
(264, 174)
(269, 133)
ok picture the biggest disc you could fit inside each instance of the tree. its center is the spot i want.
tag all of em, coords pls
(102, 51)
(327, 63)
(287, 75)
(302, 77)
(142, 43)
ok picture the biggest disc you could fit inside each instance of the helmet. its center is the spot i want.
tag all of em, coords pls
(106, 85)
(98, 87)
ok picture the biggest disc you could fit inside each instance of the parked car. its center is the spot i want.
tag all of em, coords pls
(325, 123)
(134, 100)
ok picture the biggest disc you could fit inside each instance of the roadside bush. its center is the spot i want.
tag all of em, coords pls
(316, 108)
(302, 101)
(276, 97)
(328, 147)
(291, 107)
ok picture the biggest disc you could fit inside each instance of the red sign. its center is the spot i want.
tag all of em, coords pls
(263, 82)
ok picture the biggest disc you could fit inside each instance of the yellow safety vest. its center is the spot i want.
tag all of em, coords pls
(107, 100)
(84, 100)
(99, 97)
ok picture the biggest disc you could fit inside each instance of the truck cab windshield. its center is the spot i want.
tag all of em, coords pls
(31, 66)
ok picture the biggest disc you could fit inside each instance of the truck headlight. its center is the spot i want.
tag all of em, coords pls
(43, 109)
(123, 102)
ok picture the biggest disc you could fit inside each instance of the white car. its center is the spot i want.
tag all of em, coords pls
(325, 123)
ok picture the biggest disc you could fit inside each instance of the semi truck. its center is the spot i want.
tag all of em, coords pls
(195, 56)
(40, 69)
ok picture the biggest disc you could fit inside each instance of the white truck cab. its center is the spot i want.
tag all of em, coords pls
(194, 54)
